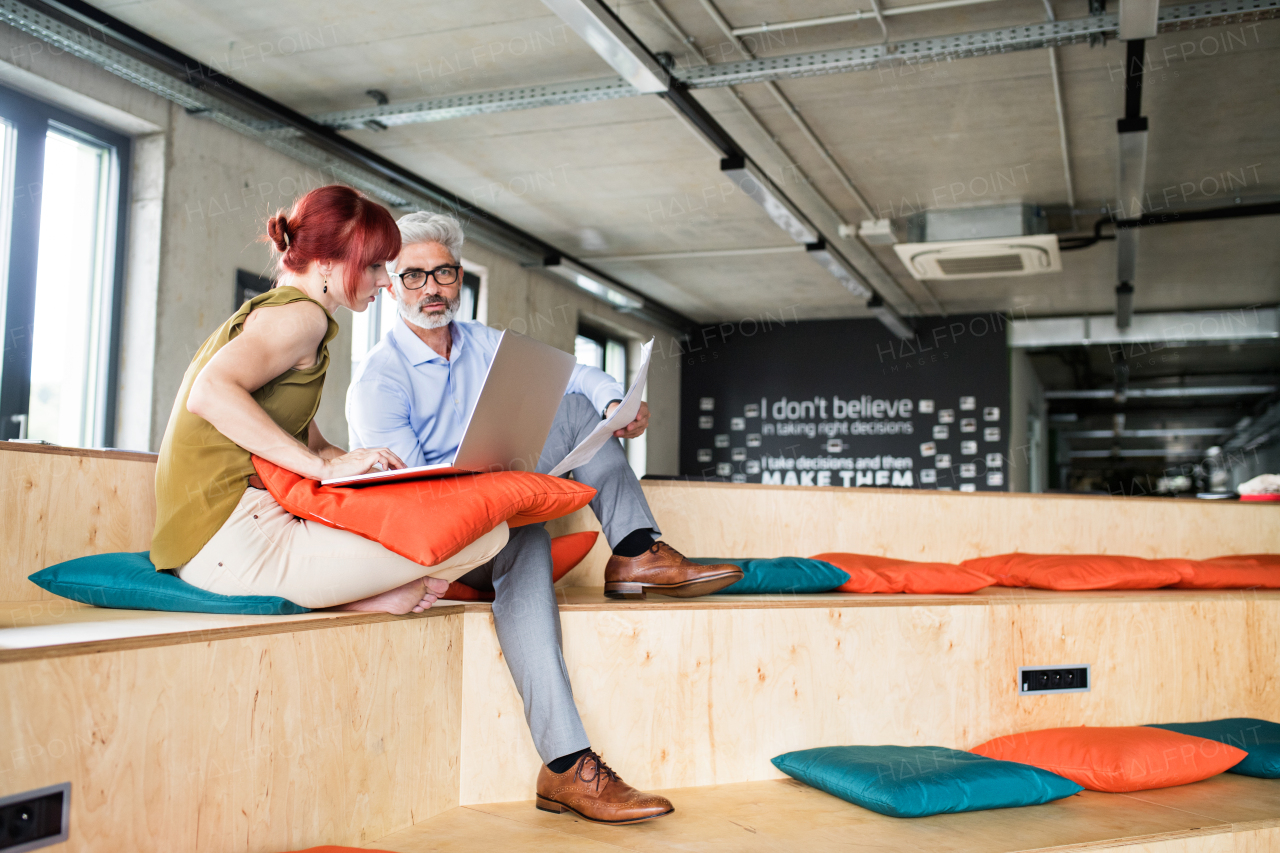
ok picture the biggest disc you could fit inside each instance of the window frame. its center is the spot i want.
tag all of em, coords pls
(248, 286)
(603, 338)
(32, 120)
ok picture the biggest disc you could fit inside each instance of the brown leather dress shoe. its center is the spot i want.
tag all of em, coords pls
(592, 791)
(664, 570)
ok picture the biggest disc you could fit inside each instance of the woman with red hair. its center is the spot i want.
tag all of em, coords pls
(253, 388)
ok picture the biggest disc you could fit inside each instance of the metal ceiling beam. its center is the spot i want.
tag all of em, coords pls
(1147, 433)
(868, 264)
(860, 15)
(597, 25)
(481, 103)
(942, 48)
(1131, 171)
(696, 253)
(1170, 329)
(734, 163)
(1152, 393)
(1131, 454)
(1254, 432)
(94, 36)
(914, 51)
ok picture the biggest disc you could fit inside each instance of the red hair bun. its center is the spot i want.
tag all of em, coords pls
(334, 223)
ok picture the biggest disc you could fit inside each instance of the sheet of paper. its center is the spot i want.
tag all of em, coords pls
(624, 414)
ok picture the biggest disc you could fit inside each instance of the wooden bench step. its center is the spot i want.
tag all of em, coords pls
(686, 694)
(34, 630)
(409, 717)
(58, 627)
(1226, 814)
(240, 739)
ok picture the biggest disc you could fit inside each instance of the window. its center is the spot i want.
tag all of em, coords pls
(249, 286)
(598, 349)
(62, 211)
(376, 321)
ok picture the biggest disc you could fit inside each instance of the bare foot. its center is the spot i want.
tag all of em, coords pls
(414, 597)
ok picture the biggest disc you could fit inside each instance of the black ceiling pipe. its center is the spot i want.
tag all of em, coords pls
(1170, 217)
(1068, 243)
(1134, 54)
(1124, 313)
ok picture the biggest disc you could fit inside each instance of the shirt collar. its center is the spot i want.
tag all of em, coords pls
(415, 350)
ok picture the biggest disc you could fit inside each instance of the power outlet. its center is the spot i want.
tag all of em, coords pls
(1071, 678)
(35, 819)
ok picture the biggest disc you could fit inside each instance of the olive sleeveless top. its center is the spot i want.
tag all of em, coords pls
(201, 474)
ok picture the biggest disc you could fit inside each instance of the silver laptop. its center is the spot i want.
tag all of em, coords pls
(522, 389)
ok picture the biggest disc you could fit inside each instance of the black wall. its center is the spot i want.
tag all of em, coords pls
(846, 403)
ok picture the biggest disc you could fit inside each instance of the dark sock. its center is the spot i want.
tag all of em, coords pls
(634, 543)
(564, 762)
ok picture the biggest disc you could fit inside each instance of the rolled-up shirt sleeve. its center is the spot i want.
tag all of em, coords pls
(596, 385)
(378, 416)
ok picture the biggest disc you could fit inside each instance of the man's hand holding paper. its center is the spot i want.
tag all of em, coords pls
(636, 428)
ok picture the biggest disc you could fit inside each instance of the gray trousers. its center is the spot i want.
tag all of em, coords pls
(525, 612)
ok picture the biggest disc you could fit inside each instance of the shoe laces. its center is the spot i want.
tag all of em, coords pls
(601, 772)
(659, 545)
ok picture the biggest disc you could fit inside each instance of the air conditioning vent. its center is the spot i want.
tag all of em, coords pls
(981, 265)
(991, 257)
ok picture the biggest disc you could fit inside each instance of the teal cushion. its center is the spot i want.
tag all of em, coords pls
(1259, 738)
(131, 582)
(916, 781)
(782, 575)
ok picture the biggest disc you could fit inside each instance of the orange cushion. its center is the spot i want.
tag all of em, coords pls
(1266, 561)
(1119, 759)
(461, 592)
(569, 550)
(566, 552)
(870, 574)
(427, 521)
(1246, 571)
(1081, 571)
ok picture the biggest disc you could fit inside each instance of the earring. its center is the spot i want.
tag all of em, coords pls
(326, 286)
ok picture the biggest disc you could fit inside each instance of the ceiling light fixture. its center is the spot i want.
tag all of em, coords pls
(748, 178)
(892, 320)
(600, 28)
(840, 269)
(590, 281)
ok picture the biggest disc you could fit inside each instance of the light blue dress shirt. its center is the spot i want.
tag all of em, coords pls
(408, 398)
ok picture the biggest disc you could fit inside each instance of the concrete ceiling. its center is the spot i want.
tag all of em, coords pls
(627, 176)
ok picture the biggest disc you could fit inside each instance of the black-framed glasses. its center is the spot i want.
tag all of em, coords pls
(445, 275)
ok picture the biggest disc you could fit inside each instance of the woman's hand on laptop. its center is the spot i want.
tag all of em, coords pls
(360, 462)
(636, 428)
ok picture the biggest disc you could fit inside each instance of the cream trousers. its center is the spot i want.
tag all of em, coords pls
(262, 549)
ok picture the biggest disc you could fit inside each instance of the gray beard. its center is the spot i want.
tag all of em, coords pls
(413, 314)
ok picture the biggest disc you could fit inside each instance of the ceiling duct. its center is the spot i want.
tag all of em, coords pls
(979, 242)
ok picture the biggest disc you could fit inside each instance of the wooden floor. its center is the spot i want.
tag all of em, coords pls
(1226, 814)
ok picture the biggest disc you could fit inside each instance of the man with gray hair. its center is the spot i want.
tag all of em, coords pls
(413, 394)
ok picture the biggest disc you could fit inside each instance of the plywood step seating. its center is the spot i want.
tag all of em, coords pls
(1227, 814)
(196, 732)
(343, 729)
